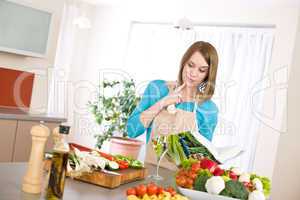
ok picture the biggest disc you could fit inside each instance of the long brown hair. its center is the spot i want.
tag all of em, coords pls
(210, 55)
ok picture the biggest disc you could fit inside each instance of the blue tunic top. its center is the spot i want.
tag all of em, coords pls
(206, 113)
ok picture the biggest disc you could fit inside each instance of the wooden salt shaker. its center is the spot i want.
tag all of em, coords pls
(32, 182)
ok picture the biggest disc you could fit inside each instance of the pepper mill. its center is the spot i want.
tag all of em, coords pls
(32, 182)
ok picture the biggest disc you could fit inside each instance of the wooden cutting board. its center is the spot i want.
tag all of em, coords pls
(109, 180)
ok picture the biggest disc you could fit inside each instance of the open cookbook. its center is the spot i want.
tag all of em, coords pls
(188, 144)
(221, 154)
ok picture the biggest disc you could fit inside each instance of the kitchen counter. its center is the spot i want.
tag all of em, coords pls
(16, 114)
(11, 182)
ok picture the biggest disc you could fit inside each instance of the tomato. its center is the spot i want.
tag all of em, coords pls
(192, 174)
(181, 181)
(171, 191)
(152, 189)
(196, 167)
(182, 172)
(141, 190)
(151, 183)
(160, 190)
(189, 183)
(131, 191)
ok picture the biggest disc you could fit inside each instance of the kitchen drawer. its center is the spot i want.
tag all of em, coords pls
(7, 139)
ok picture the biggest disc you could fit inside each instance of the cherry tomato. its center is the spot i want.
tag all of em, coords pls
(171, 191)
(160, 190)
(195, 167)
(131, 191)
(182, 172)
(181, 181)
(189, 183)
(152, 189)
(141, 190)
(192, 174)
(151, 183)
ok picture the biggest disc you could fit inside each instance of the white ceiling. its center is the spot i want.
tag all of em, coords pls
(198, 2)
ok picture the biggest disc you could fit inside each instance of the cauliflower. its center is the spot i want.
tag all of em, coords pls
(244, 178)
(257, 184)
(256, 195)
(214, 185)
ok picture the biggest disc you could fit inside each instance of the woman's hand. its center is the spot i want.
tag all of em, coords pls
(148, 115)
(174, 97)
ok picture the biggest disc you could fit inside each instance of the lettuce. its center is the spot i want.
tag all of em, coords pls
(175, 150)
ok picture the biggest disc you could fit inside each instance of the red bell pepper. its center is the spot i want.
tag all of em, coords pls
(83, 148)
(107, 156)
(123, 164)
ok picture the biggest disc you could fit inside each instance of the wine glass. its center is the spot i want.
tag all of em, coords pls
(159, 144)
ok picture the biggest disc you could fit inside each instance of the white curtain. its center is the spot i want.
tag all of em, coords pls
(244, 55)
(71, 86)
(58, 98)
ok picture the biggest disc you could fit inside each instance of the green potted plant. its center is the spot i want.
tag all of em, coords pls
(112, 112)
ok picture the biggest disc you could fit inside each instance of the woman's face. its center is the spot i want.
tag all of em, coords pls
(195, 70)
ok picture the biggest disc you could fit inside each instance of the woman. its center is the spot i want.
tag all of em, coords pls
(191, 94)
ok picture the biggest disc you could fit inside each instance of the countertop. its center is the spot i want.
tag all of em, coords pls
(11, 182)
(15, 114)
